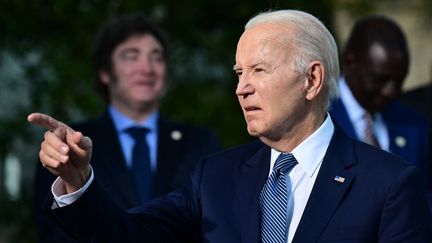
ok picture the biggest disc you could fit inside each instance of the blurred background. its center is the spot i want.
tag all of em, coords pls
(45, 51)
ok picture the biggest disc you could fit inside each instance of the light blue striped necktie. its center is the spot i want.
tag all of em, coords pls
(274, 200)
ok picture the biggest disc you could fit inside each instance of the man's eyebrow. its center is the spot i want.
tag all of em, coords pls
(259, 63)
(235, 67)
(158, 50)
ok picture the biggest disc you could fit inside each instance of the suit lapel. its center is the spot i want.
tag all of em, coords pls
(396, 134)
(253, 175)
(398, 131)
(114, 175)
(168, 151)
(327, 192)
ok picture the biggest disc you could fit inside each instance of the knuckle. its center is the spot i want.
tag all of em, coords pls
(41, 154)
(55, 166)
(47, 133)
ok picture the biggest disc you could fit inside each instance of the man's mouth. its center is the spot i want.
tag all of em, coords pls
(251, 108)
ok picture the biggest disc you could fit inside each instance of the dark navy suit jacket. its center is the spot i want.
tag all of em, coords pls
(176, 160)
(402, 123)
(380, 200)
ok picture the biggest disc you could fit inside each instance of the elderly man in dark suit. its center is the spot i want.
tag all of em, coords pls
(304, 181)
(129, 60)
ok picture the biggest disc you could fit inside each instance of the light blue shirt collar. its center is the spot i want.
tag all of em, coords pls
(355, 111)
(122, 122)
(356, 114)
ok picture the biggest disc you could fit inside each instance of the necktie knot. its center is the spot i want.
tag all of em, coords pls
(284, 162)
(137, 133)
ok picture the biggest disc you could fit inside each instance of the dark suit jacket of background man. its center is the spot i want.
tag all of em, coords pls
(381, 197)
(420, 99)
(401, 122)
(175, 161)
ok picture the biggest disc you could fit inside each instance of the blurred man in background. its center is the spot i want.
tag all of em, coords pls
(139, 154)
(375, 62)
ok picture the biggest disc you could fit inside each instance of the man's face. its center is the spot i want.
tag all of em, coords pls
(270, 92)
(138, 73)
(376, 77)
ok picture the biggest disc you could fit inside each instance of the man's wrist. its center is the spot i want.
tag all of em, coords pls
(81, 181)
(62, 198)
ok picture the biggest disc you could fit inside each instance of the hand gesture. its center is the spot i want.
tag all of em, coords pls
(64, 152)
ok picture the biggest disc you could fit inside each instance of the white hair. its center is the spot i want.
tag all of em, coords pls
(312, 42)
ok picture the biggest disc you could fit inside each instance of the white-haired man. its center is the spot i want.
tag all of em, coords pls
(304, 181)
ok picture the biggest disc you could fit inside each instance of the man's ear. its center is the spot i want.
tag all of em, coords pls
(315, 80)
(104, 77)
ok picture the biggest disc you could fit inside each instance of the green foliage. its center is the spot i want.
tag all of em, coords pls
(203, 37)
(15, 223)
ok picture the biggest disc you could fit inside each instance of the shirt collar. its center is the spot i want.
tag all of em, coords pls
(355, 111)
(311, 151)
(122, 122)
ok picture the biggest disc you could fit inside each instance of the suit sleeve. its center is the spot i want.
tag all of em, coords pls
(47, 229)
(174, 217)
(405, 217)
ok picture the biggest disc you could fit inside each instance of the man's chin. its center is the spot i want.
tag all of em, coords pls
(253, 132)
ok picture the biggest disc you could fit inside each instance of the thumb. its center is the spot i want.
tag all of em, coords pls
(81, 148)
(83, 142)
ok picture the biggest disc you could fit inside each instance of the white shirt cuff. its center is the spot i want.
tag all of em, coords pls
(61, 198)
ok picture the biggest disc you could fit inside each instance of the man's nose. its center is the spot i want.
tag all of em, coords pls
(390, 89)
(244, 87)
(146, 65)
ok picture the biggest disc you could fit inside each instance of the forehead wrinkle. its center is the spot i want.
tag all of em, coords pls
(267, 41)
(277, 40)
(272, 51)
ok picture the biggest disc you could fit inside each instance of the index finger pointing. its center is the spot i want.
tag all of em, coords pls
(46, 121)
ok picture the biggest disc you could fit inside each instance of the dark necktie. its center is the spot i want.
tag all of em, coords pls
(274, 200)
(141, 170)
(369, 134)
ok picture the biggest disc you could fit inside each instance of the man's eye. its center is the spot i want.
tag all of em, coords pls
(258, 70)
(157, 56)
(129, 56)
(238, 72)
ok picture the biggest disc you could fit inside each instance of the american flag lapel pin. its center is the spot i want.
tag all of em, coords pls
(339, 179)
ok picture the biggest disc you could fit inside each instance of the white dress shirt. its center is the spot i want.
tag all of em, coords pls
(356, 114)
(309, 155)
